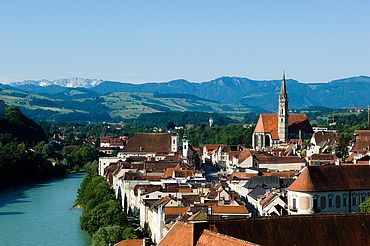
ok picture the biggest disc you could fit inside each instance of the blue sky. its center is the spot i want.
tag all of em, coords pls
(138, 41)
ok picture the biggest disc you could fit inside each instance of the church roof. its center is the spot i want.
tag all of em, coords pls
(269, 123)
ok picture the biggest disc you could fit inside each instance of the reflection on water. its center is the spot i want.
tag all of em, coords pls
(42, 214)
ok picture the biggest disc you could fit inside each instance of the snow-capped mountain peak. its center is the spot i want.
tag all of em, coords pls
(72, 83)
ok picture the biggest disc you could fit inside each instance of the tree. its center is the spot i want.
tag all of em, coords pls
(104, 214)
(114, 234)
(365, 206)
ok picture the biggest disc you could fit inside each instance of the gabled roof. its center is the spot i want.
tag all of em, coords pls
(210, 238)
(323, 157)
(273, 159)
(266, 182)
(258, 191)
(325, 138)
(269, 123)
(191, 234)
(175, 210)
(132, 242)
(229, 210)
(332, 178)
(149, 142)
(362, 141)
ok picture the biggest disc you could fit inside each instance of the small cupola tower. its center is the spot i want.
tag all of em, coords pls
(283, 112)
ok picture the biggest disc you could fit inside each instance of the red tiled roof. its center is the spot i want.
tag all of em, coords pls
(175, 210)
(149, 142)
(190, 234)
(211, 147)
(180, 235)
(362, 141)
(332, 178)
(239, 175)
(269, 123)
(210, 238)
(323, 157)
(325, 138)
(229, 209)
(263, 159)
(132, 242)
(282, 174)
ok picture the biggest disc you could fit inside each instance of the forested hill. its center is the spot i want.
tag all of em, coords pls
(14, 125)
(24, 153)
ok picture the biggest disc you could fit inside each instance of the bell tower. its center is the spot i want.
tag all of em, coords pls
(283, 112)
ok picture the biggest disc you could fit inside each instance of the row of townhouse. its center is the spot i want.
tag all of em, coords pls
(156, 192)
(264, 193)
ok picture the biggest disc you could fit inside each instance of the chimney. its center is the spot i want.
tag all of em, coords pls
(146, 242)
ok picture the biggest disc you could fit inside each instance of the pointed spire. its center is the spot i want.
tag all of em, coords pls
(283, 87)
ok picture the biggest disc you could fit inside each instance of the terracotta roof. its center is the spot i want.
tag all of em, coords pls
(210, 238)
(332, 178)
(211, 147)
(362, 141)
(149, 142)
(323, 157)
(132, 242)
(269, 123)
(180, 235)
(282, 174)
(272, 159)
(229, 210)
(325, 138)
(318, 230)
(161, 202)
(175, 210)
(193, 234)
(239, 175)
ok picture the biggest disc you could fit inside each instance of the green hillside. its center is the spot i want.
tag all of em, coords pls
(82, 105)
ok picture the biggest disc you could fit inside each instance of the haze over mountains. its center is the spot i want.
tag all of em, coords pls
(230, 95)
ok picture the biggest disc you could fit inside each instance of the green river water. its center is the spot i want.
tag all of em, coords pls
(42, 214)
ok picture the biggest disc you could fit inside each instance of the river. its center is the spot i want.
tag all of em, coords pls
(42, 214)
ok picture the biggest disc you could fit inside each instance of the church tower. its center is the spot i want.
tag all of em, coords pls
(283, 112)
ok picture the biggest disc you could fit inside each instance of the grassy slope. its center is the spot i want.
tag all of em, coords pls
(121, 104)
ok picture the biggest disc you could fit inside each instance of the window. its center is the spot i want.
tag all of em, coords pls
(315, 204)
(344, 200)
(323, 202)
(330, 201)
(147, 196)
(294, 204)
(159, 196)
(337, 201)
(354, 202)
(362, 198)
(173, 141)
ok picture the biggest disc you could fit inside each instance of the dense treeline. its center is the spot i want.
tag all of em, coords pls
(163, 119)
(102, 215)
(21, 128)
(346, 125)
(77, 133)
(229, 134)
(24, 152)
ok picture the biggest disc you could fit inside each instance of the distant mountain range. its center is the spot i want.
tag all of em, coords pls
(229, 95)
(71, 83)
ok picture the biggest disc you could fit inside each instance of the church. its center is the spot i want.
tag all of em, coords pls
(273, 129)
